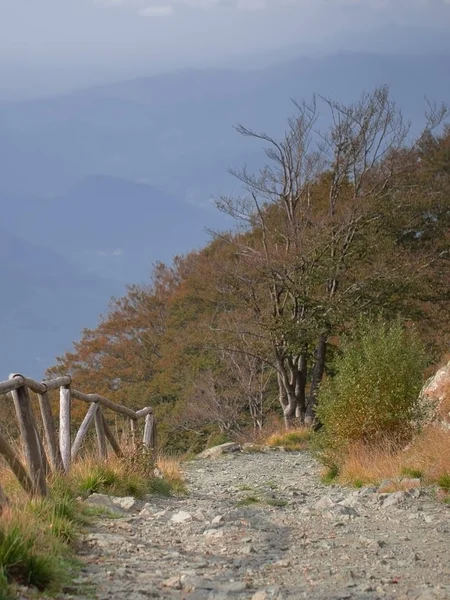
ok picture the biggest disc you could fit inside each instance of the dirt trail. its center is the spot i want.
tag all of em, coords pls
(261, 526)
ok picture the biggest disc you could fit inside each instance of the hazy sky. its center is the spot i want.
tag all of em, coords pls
(89, 34)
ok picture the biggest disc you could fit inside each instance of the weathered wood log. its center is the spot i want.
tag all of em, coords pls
(104, 402)
(148, 410)
(55, 384)
(82, 431)
(64, 425)
(30, 439)
(150, 432)
(50, 432)
(45, 463)
(101, 437)
(111, 439)
(15, 465)
(134, 426)
(11, 384)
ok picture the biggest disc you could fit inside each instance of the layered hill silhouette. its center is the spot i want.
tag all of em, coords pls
(100, 183)
(63, 258)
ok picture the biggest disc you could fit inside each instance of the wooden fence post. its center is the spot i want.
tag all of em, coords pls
(150, 432)
(30, 439)
(15, 465)
(111, 439)
(82, 431)
(64, 425)
(134, 433)
(50, 432)
(101, 437)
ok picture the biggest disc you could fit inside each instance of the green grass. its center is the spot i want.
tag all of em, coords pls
(413, 473)
(160, 487)
(248, 501)
(276, 502)
(271, 485)
(245, 488)
(292, 440)
(444, 482)
(23, 559)
(330, 476)
(105, 479)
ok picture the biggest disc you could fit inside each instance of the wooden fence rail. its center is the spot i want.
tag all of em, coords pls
(57, 451)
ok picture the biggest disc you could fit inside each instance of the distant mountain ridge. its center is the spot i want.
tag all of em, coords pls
(175, 130)
(102, 182)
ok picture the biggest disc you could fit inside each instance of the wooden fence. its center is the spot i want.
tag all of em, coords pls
(55, 453)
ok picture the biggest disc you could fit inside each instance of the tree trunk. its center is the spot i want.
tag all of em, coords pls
(318, 371)
(300, 388)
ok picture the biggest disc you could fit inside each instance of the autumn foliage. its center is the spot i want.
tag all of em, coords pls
(347, 221)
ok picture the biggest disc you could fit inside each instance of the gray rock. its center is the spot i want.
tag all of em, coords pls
(127, 503)
(105, 502)
(393, 499)
(173, 582)
(181, 517)
(216, 451)
(324, 503)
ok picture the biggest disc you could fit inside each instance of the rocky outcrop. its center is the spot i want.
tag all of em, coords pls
(435, 398)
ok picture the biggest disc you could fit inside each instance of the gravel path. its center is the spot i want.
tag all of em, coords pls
(262, 526)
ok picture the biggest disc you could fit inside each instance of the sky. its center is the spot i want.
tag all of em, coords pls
(81, 36)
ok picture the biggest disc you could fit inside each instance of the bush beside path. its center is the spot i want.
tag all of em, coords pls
(262, 526)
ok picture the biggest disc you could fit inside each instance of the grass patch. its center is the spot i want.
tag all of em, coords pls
(171, 471)
(290, 440)
(271, 485)
(35, 544)
(330, 475)
(411, 472)
(426, 458)
(444, 482)
(276, 502)
(134, 475)
(159, 487)
(112, 478)
(248, 501)
(245, 488)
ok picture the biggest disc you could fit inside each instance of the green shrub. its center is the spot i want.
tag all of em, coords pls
(374, 394)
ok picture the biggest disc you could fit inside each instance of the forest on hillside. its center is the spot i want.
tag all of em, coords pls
(343, 222)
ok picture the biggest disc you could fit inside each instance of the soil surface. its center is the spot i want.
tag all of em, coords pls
(262, 526)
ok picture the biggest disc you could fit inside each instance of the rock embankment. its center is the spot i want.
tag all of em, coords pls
(262, 526)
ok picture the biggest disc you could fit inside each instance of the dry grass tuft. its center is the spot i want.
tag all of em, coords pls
(171, 470)
(295, 439)
(430, 453)
(367, 465)
(427, 458)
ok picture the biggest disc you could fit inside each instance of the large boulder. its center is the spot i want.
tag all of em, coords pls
(435, 398)
(216, 451)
